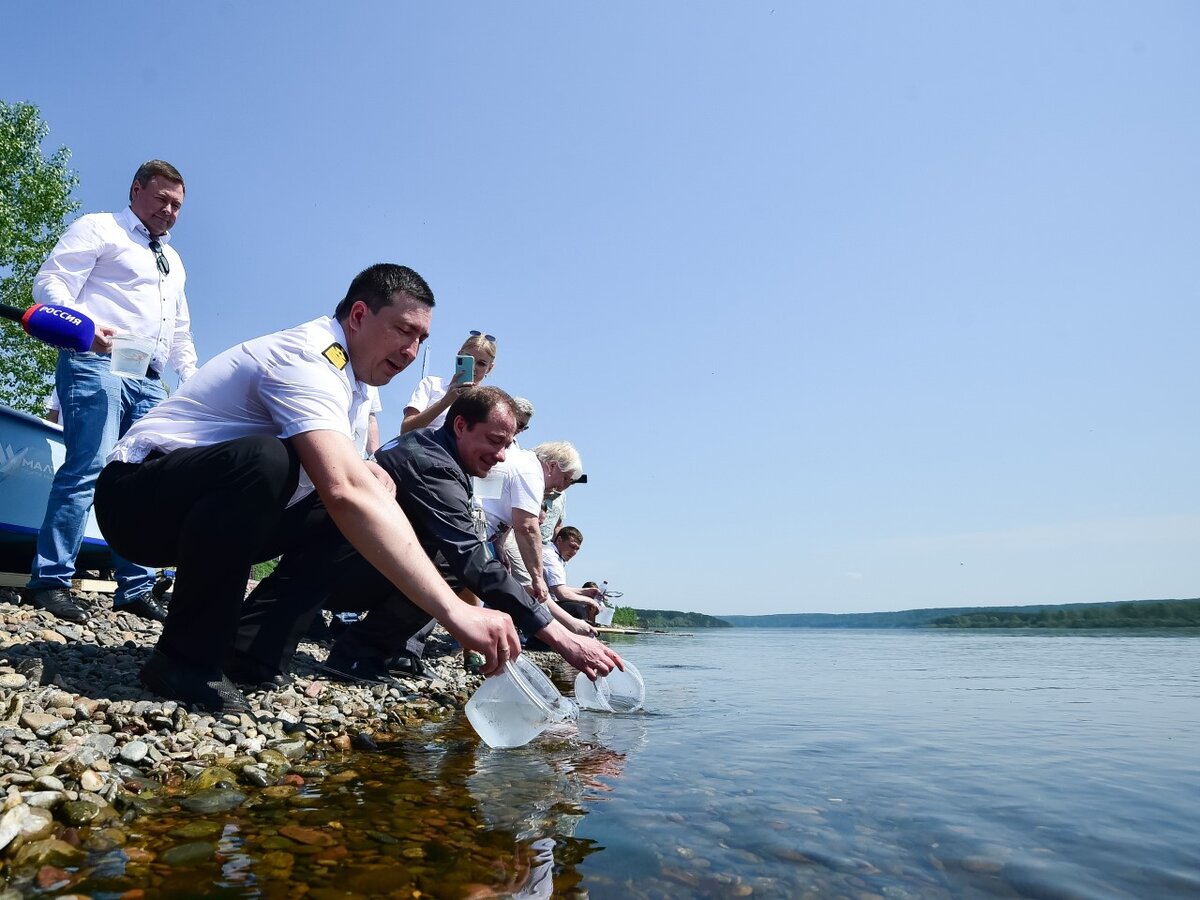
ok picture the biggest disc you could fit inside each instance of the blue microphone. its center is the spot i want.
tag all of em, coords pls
(57, 326)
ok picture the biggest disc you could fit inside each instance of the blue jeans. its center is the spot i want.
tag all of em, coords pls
(97, 409)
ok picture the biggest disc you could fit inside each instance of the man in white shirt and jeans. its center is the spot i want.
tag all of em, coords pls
(226, 473)
(121, 271)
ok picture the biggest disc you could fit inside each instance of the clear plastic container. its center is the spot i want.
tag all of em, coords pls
(512, 708)
(131, 355)
(617, 692)
(604, 617)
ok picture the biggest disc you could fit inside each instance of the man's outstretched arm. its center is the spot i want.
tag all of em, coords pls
(527, 531)
(576, 595)
(378, 529)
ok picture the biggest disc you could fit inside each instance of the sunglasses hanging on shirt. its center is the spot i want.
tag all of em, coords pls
(160, 258)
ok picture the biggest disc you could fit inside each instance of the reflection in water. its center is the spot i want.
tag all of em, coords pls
(439, 813)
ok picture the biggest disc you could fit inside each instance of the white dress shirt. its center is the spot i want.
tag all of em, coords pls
(104, 267)
(362, 421)
(554, 567)
(283, 384)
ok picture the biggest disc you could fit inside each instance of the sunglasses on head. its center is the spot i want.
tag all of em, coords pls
(485, 336)
(160, 258)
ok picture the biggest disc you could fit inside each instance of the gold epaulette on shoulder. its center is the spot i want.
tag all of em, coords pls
(336, 354)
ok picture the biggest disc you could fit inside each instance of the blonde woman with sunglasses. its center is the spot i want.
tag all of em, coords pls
(428, 405)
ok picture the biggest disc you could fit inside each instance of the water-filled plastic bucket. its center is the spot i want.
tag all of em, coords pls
(131, 355)
(512, 708)
(615, 692)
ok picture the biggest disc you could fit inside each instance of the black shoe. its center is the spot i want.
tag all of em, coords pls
(319, 632)
(187, 683)
(58, 602)
(144, 606)
(162, 587)
(249, 672)
(356, 671)
(406, 665)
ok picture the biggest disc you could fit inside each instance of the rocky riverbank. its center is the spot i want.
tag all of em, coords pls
(84, 746)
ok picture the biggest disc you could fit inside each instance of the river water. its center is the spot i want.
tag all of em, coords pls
(768, 763)
(906, 764)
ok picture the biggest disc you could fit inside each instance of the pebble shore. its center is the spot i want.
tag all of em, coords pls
(84, 745)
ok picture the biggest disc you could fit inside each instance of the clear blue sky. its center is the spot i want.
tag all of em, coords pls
(848, 306)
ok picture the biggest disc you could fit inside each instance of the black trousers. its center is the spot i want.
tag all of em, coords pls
(212, 512)
(323, 570)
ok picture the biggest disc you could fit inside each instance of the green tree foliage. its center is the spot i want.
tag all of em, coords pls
(671, 618)
(1161, 614)
(625, 617)
(35, 201)
(261, 570)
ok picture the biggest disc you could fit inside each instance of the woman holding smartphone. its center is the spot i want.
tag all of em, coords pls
(428, 405)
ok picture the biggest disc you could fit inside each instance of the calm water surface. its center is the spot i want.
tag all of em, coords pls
(769, 763)
(907, 764)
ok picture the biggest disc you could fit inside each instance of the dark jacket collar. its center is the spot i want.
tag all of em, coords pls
(444, 438)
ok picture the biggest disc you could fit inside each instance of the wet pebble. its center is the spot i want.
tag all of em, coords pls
(982, 864)
(195, 830)
(189, 854)
(212, 800)
(78, 812)
(255, 776)
(51, 878)
(134, 752)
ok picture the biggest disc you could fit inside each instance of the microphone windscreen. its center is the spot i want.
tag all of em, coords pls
(59, 327)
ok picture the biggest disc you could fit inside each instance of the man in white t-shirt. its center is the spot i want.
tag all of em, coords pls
(210, 480)
(514, 517)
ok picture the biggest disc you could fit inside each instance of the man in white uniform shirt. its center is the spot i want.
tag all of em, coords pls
(120, 270)
(579, 602)
(211, 480)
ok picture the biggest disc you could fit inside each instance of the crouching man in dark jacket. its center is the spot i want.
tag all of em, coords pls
(432, 469)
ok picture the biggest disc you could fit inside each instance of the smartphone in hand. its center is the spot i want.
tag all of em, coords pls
(464, 369)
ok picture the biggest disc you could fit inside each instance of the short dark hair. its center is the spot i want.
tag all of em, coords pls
(376, 285)
(567, 532)
(476, 404)
(152, 167)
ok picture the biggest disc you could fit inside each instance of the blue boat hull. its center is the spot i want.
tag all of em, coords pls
(31, 450)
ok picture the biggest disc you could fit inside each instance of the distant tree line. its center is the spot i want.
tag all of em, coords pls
(908, 618)
(997, 616)
(1162, 614)
(670, 618)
